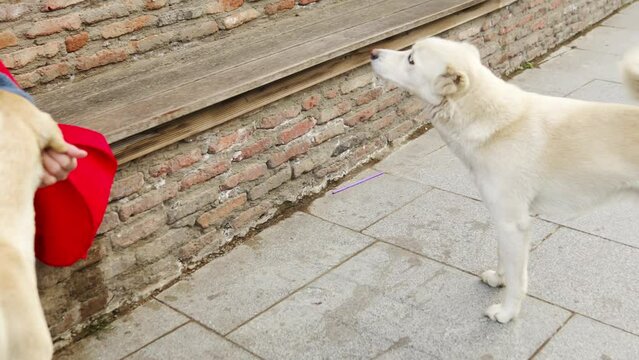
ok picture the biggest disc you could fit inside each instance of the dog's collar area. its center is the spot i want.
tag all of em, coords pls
(7, 84)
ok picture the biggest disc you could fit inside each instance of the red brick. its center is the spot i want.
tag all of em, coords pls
(127, 26)
(76, 42)
(328, 132)
(51, 72)
(253, 149)
(310, 102)
(222, 143)
(249, 173)
(7, 38)
(101, 58)
(23, 57)
(51, 5)
(9, 12)
(228, 5)
(400, 130)
(275, 120)
(251, 214)
(384, 122)
(148, 201)
(127, 186)
(28, 80)
(306, 2)
(361, 116)
(337, 110)
(176, 163)
(295, 131)
(54, 25)
(388, 101)
(331, 93)
(127, 234)
(539, 25)
(110, 221)
(410, 106)
(368, 96)
(155, 4)
(239, 18)
(219, 214)
(151, 42)
(278, 6)
(204, 173)
(290, 152)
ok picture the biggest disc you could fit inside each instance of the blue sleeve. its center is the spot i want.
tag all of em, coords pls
(7, 85)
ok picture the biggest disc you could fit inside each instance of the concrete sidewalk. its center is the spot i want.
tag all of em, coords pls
(388, 269)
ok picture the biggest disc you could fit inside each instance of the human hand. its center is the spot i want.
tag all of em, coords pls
(57, 166)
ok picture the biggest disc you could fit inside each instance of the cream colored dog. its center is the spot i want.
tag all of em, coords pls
(528, 153)
(24, 132)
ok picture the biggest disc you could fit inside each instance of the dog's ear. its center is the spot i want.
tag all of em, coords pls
(451, 82)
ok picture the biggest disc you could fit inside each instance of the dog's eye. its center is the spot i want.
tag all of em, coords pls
(410, 59)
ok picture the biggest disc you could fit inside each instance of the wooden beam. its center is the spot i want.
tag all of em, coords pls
(151, 140)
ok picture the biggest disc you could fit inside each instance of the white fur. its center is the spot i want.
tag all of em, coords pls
(528, 153)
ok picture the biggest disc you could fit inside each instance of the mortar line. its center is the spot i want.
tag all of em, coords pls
(572, 315)
(396, 210)
(154, 340)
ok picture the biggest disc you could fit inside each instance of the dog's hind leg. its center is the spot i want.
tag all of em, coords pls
(513, 223)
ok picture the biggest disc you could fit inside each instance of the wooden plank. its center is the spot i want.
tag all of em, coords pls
(152, 140)
(106, 93)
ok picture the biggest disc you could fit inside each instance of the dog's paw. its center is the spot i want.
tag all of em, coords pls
(499, 313)
(491, 278)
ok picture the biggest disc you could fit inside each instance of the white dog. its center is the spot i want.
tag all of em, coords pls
(528, 153)
(24, 132)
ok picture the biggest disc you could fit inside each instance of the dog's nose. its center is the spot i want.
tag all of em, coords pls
(374, 54)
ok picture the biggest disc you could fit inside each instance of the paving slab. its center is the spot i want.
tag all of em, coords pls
(589, 275)
(389, 303)
(441, 169)
(593, 64)
(617, 220)
(127, 334)
(412, 154)
(626, 18)
(609, 40)
(550, 82)
(255, 275)
(361, 206)
(604, 91)
(585, 339)
(449, 228)
(190, 342)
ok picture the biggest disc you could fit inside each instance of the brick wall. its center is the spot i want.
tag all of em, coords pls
(53, 41)
(171, 208)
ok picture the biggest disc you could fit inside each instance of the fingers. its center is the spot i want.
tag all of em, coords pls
(58, 165)
(47, 180)
(75, 152)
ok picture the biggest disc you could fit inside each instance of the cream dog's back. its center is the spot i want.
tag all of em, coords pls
(24, 132)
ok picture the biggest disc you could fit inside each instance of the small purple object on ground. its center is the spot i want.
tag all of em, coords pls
(358, 182)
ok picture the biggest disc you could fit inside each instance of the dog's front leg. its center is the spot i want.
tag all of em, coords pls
(512, 228)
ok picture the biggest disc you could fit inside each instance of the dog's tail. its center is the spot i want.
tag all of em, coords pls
(630, 71)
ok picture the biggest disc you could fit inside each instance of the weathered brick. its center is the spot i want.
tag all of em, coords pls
(28, 80)
(214, 8)
(281, 5)
(187, 204)
(110, 221)
(228, 5)
(251, 214)
(204, 173)
(9, 12)
(239, 18)
(148, 201)
(317, 157)
(7, 38)
(161, 246)
(151, 42)
(197, 248)
(310, 102)
(295, 131)
(126, 186)
(54, 25)
(400, 130)
(104, 13)
(197, 31)
(101, 58)
(248, 173)
(271, 183)
(255, 148)
(368, 96)
(23, 57)
(139, 228)
(127, 26)
(335, 111)
(51, 5)
(76, 42)
(355, 83)
(221, 212)
(176, 163)
(51, 72)
(117, 263)
(328, 132)
(384, 122)
(93, 305)
(389, 100)
(306, 2)
(331, 93)
(361, 116)
(175, 16)
(410, 106)
(155, 4)
(272, 121)
(291, 151)
(224, 142)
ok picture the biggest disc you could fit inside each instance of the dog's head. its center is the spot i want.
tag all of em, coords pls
(433, 69)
